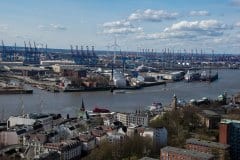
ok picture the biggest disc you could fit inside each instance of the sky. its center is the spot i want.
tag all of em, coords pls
(190, 25)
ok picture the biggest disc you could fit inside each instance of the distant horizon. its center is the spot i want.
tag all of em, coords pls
(134, 51)
(136, 24)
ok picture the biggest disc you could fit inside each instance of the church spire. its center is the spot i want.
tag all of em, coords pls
(83, 106)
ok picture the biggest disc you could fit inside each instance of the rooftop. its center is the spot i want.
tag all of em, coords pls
(63, 145)
(148, 158)
(187, 152)
(210, 113)
(27, 68)
(206, 143)
(227, 121)
(98, 133)
(86, 137)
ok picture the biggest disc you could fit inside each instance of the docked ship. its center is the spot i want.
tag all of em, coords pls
(209, 76)
(192, 76)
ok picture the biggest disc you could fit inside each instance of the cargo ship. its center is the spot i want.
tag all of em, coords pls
(192, 76)
(209, 76)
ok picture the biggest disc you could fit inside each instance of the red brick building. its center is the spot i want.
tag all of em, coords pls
(221, 151)
(173, 153)
(229, 133)
(223, 133)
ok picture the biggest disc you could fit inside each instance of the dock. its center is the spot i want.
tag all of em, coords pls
(15, 91)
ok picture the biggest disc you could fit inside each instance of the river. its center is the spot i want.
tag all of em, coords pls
(229, 81)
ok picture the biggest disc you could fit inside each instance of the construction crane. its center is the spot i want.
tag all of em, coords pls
(80, 58)
(31, 56)
(8, 53)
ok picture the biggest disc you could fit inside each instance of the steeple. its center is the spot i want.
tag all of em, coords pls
(83, 113)
(174, 102)
(82, 107)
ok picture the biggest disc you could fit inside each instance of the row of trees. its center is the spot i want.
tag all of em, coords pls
(179, 124)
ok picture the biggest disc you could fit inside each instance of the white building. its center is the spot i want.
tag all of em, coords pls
(15, 135)
(100, 136)
(119, 79)
(157, 135)
(57, 68)
(88, 142)
(134, 119)
(30, 119)
(69, 149)
(20, 120)
(138, 119)
(116, 138)
(9, 138)
(123, 117)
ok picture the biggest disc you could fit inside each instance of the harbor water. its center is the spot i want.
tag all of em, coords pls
(64, 103)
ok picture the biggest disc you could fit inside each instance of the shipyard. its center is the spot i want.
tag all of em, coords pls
(119, 80)
(87, 70)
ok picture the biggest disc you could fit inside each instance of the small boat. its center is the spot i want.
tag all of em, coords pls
(119, 91)
(156, 106)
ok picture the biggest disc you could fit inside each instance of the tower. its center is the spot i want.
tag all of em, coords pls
(174, 102)
(83, 106)
(82, 112)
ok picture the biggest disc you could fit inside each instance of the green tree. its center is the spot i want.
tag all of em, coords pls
(103, 152)
(130, 148)
(179, 124)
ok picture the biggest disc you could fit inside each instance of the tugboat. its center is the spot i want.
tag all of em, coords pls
(119, 92)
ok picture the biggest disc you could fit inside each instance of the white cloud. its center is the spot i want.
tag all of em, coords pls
(152, 15)
(18, 36)
(124, 30)
(199, 13)
(190, 30)
(166, 35)
(218, 40)
(120, 27)
(122, 23)
(58, 27)
(205, 27)
(52, 27)
(237, 24)
(3, 27)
